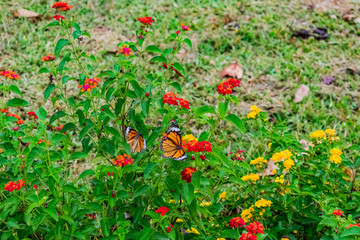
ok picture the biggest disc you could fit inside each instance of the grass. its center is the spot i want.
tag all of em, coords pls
(257, 34)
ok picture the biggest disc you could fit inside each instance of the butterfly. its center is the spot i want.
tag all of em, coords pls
(172, 144)
(135, 139)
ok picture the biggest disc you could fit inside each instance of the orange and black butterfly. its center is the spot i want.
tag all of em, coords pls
(135, 139)
(171, 144)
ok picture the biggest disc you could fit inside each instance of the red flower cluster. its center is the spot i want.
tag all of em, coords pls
(337, 212)
(32, 114)
(237, 222)
(62, 6)
(168, 228)
(237, 156)
(110, 173)
(172, 68)
(123, 160)
(19, 121)
(255, 228)
(35, 187)
(43, 141)
(17, 185)
(5, 110)
(162, 210)
(146, 20)
(227, 86)
(10, 74)
(184, 27)
(91, 216)
(172, 99)
(248, 236)
(186, 174)
(195, 146)
(353, 225)
(89, 84)
(48, 58)
(59, 17)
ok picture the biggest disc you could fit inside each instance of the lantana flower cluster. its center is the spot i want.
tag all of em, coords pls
(238, 155)
(122, 160)
(187, 173)
(18, 121)
(227, 86)
(335, 155)
(10, 74)
(196, 146)
(172, 99)
(162, 211)
(89, 84)
(254, 111)
(252, 229)
(328, 134)
(62, 6)
(16, 185)
(284, 156)
(48, 58)
(251, 177)
(258, 162)
(125, 50)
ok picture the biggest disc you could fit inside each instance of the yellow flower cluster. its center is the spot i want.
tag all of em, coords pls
(254, 111)
(205, 204)
(188, 137)
(252, 177)
(192, 230)
(258, 162)
(269, 145)
(179, 220)
(247, 214)
(263, 203)
(286, 156)
(335, 155)
(329, 134)
(223, 195)
(220, 239)
(280, 179)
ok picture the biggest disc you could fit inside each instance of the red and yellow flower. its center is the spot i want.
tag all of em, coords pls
(227, 86)
(125, 50)
(62, 6)
(17, 185)
(122, 160)
(48, 58)
(89, 84)
(10, 74)
(237, 222)
(186, 174)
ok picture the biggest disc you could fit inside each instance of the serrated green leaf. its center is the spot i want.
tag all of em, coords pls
(60, 45)
(17, 102)
(237, 122)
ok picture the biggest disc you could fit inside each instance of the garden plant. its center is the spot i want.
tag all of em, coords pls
(128, 156)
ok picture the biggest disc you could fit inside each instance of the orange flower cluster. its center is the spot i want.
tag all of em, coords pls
(186, 174)
(146, 20)
(125, 50)
(337, 212)
(19, 121)
(248, 236)
(227, 86)
(10, 74)
(123, 160)
(353, 225)
(89, 84)
(170, 98)
(48, 58)
(43, 141)
(17, 185)
(62, 6)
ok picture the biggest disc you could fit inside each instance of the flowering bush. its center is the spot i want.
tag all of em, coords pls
(75, 173)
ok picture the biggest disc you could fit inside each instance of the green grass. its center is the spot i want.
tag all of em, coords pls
(274, 63)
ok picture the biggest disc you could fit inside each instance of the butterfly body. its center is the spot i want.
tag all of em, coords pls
(172, 144)
(135, 139)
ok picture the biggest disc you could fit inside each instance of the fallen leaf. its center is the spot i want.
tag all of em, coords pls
(304, 34)
(26, 13)
(328, 80)
(234, 70)
(348, 16)
(305, 144)
(270, 166)
(352, 70)
(301, 92)
(350, 173)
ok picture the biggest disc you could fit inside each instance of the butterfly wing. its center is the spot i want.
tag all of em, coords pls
(172, 144)
(135, 139)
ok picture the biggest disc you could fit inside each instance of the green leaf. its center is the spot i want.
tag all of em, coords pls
(153, 48)
(17, 102)
(12, 223)
(52, 24)
(105, 227)
(88, 172)
(138, 90)
(188, 193)
(41, 113)
(56, 116)
(145, 234)
(62, 64)
(48, 91)
(76, 34)
(352, 231)
(177, 86)
(141, 191)
(60, 45)
(237, 122)
(204, 109)
(188, 42)
(78, 155)
(158, 59)
(44, 70)
(222, 108)
(15, 89)
(178, 67)
(52, 212)
(68, 126)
